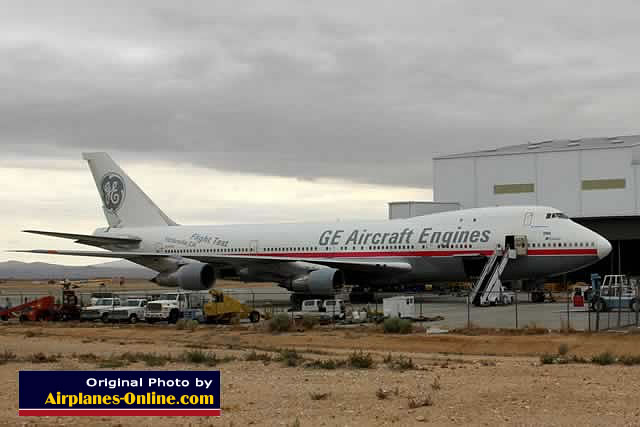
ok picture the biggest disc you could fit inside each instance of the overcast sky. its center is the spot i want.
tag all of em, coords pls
(236, 109)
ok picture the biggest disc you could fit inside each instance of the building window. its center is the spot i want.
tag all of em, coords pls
(603, 184)
(513, 188)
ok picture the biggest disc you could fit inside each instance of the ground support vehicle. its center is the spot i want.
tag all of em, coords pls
(101, 309)
(173, 306)
(615, 293)
(132, 311)
(224, 308)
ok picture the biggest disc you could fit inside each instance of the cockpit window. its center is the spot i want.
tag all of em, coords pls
(557, 215)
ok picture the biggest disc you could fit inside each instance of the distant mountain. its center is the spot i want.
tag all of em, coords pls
(44, 271)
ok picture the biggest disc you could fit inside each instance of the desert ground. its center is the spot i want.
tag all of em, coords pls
(479, 377)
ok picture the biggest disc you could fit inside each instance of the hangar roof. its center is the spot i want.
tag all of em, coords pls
(554, 145)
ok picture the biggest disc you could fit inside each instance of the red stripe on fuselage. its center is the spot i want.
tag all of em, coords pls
(442, 253)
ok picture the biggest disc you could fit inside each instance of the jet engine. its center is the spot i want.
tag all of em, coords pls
(325, 281)
(196, 276)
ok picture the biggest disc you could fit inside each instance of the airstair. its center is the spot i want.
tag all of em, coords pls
(488, 288)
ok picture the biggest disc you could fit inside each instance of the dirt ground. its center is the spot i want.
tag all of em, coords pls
(486, 379)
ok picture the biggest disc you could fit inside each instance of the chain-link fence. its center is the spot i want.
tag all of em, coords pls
(501, 310)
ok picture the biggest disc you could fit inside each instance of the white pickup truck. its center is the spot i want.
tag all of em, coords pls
(171, 307)
(132, 311)
(100, 310)
(322, 310)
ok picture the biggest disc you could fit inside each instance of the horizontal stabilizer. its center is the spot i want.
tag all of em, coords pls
(89, 239)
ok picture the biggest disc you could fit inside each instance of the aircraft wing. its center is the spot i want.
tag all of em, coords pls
(88, 238)
(233, 260)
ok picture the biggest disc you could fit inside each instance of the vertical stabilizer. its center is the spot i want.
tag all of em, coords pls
(123, 202)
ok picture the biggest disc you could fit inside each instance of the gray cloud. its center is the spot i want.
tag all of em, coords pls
(357, 91)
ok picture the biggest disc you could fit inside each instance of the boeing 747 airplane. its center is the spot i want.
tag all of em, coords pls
(513, 242)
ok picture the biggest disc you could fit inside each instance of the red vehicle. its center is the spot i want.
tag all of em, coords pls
(45, 308)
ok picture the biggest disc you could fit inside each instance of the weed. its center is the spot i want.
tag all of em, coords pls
(43, 358)
(290, 357)
(88, 358)
(7, 356)
(309, 322)
(296, 423)
(253, 357)
(578, 359)
(112, 362)
(325, 364)
(280, 323)
(605, 358)
(200, 357)
(415, 402)
(30, 334)
(395, 325)
(319, 396)
(382, 394)
(435, 385)
(486, 362)
(547, 359)
(187, 324)
(401, 363)
(629, 360)
(360, 360)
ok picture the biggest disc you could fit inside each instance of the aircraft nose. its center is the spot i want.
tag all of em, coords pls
(603, 246)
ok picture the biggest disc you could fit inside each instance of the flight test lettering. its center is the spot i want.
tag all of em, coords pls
(426, 236)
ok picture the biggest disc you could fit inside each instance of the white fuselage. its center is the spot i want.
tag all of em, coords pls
(437, 246)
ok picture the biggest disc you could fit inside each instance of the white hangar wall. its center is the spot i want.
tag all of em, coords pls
(593, 177)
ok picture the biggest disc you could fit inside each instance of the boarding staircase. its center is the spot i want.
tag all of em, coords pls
(488, 288)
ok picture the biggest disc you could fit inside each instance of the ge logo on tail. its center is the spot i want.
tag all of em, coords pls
(113, 191)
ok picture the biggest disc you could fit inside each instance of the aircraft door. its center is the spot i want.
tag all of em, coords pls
(521, 245)
(253, 246)
(528, 218)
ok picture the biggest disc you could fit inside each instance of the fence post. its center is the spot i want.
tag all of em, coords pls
(468, 314)
(516, 308)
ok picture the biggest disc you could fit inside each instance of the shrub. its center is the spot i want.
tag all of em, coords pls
(7, 356)
(319, 396)
(435, 385)
(186, 324)
(395, 325)
(325, 364)
(43, 358)
(360, 360)
(200, 357)
(290, 357)
(308, 322)
(253, 357)
(112, 362)
(629, 360)
(401, 363)
(415, 402)
(547, 359)
(605, 358)
(382, 394)
(279, 323)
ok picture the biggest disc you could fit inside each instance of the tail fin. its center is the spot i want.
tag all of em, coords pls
(124, 203)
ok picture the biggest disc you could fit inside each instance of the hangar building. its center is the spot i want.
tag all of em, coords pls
(596, 181)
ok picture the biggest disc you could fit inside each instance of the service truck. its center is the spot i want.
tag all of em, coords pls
(174, 306)
(100, 310)
(132, 311)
